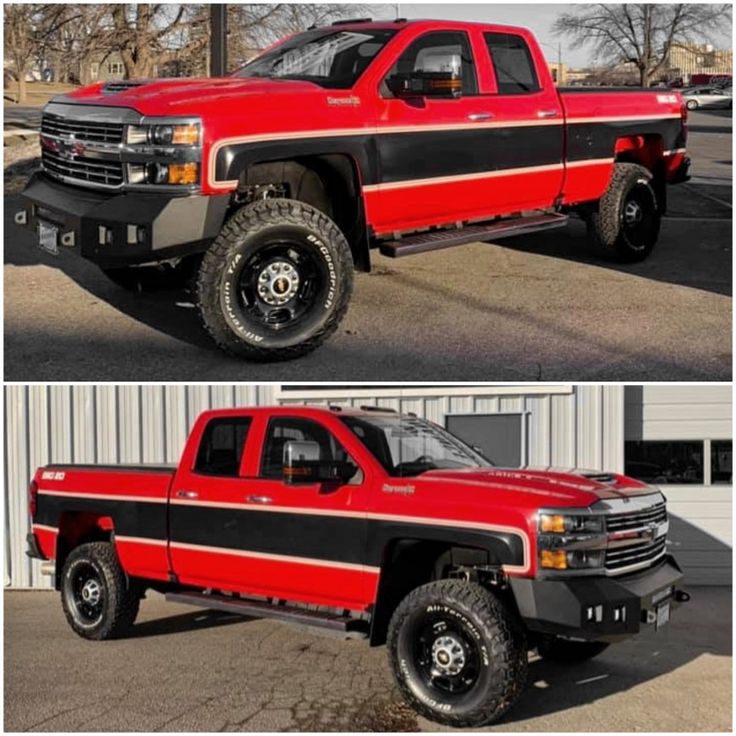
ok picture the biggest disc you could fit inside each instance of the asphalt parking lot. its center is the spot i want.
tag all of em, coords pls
(537, 307)
(186, 669)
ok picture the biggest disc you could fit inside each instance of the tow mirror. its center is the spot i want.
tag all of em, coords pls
(426, 84)
(302, 465)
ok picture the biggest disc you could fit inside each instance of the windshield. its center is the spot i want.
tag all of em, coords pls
(407, 446)
(330, 58)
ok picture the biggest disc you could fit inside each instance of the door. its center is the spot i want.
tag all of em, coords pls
(237, 526)
(493, 150)
(207, 527)
(317, 530)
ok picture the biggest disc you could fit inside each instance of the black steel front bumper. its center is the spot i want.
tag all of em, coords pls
(123, 228)
(598, 608)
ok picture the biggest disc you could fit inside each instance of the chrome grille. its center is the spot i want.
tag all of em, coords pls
(622, 522)
(637, 555)
(91, 132)
(93, 171)
(629, 553)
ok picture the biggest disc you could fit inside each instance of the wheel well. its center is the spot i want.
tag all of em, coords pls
(76, 528)
(329, 182)
(409, 563)
(647, 151)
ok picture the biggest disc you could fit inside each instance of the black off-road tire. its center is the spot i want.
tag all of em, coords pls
(163, 277)
(119, 599)
(563, 650)
(494, 640)
(608, 225)
(251, 229)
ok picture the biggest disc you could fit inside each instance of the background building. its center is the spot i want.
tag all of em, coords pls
(677, 436)
(685, 60)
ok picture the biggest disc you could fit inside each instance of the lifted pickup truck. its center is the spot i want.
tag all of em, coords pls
(373, 524)
(269, 187)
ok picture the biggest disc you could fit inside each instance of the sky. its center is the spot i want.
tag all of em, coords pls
(537, 17)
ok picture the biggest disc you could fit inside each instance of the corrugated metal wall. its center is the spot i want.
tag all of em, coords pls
(581, 428)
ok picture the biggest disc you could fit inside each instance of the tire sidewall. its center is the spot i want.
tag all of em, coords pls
(76, 560)
(251, 242)
(466, 705)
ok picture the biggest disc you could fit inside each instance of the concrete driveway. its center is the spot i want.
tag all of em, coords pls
(537, 307)
(187, 669)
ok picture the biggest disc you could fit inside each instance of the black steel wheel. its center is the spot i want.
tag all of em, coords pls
(276, 282)
(98, 600)
(458, 653)
(627, 220)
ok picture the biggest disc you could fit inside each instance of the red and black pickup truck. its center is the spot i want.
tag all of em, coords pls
(271, 186)
(392, 528)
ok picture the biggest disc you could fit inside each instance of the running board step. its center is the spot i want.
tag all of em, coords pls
(261, 609)
(438, 239)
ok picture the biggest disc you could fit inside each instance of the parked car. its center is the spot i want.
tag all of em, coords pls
(271, 186)
(373, 524)
(708, 97)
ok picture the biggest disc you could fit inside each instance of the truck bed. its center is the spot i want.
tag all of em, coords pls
(129, 500)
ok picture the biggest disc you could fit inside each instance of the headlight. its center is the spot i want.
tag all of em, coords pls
(562, 524)
(168, 134)
(571, 541)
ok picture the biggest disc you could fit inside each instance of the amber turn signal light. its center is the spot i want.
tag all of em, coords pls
(183, 173)
(554, 559)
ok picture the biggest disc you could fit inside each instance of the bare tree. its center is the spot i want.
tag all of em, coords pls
(71, 47)
(27, 30)
(140, 33)
(641, 34)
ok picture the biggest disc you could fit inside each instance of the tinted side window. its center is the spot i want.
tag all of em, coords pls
(285, 429)
(222, 446)
(443, 51)
(512, 63)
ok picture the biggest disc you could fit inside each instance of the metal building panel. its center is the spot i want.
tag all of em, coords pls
(539, 440)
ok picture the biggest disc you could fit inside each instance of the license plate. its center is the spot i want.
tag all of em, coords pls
(663, 615)
(48, 238)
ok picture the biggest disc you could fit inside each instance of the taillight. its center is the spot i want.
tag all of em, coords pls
(33, 498)
(684, 121)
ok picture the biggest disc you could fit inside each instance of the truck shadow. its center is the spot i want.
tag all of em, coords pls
(193, 621)
(698, 261)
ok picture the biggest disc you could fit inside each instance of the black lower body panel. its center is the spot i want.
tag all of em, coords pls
(33, 548)
(118, 229)
(597, 608)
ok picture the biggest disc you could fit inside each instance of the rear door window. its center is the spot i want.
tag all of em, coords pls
(512, 64)
(221, 448)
